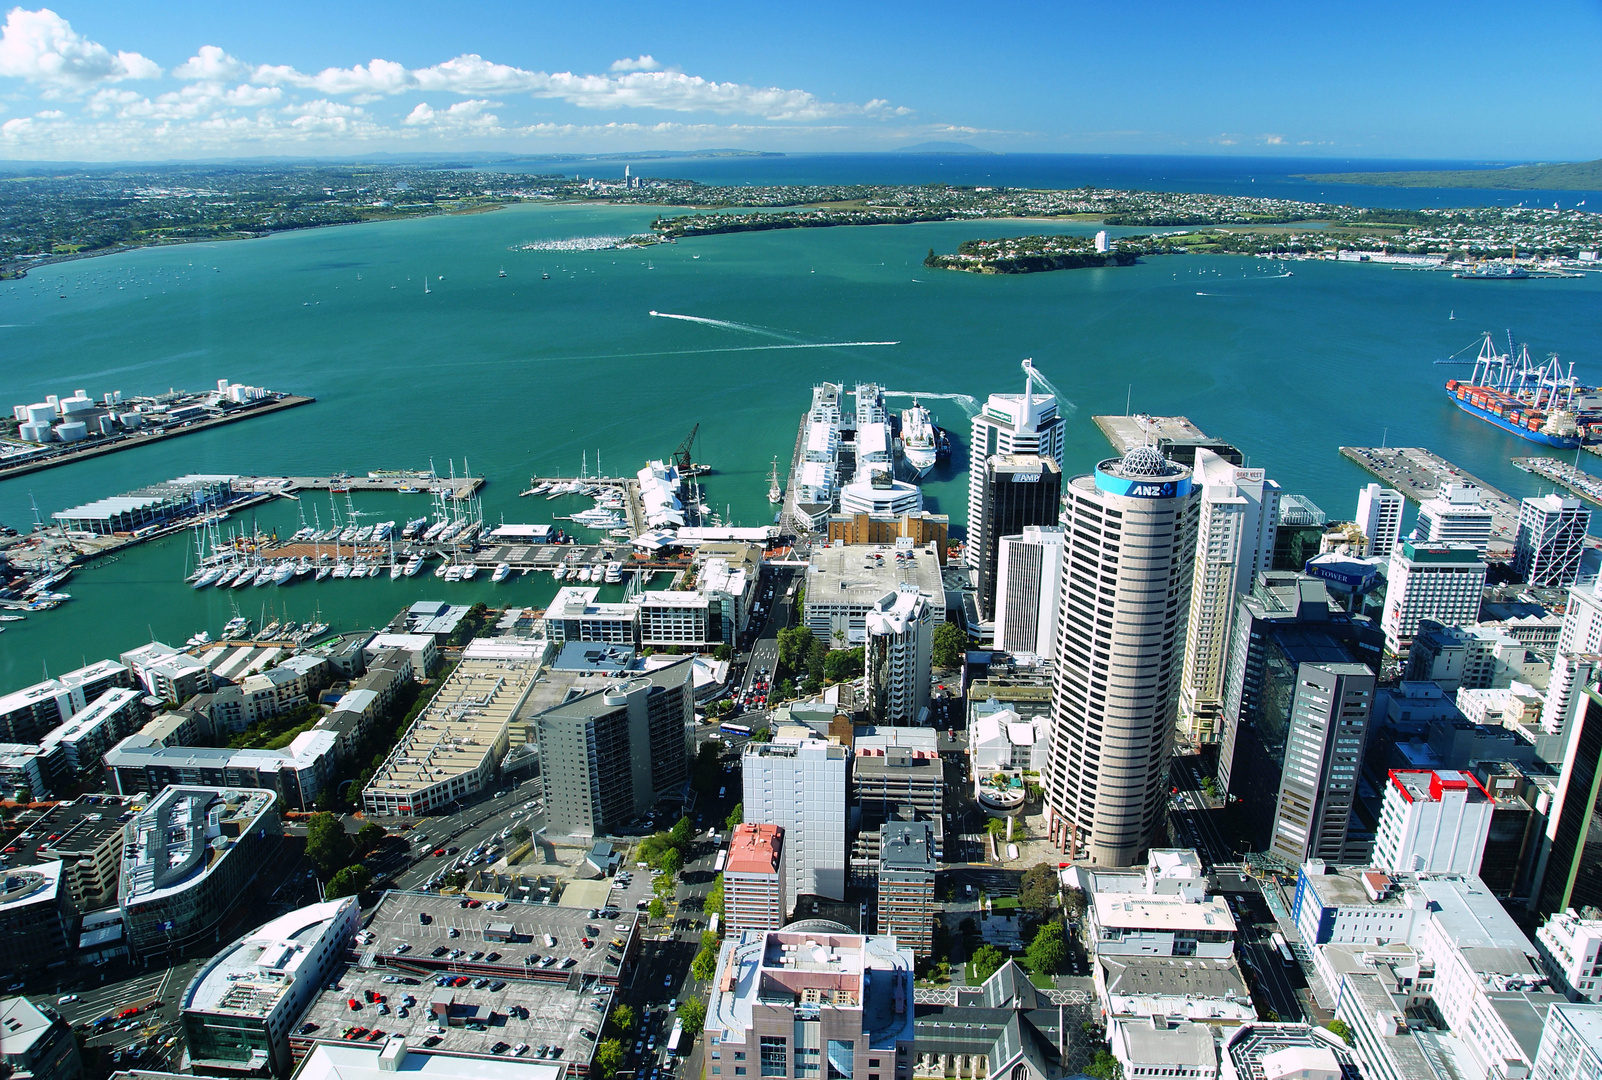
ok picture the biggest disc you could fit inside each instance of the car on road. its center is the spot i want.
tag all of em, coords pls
(68, 1000)
(667, 981)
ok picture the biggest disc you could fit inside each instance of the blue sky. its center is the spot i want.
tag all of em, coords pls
(1480, 81)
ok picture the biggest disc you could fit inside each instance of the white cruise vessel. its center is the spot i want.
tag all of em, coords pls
(918, 440)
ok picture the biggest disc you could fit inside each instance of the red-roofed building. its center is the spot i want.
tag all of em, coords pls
(753, 879)
(1433, 821)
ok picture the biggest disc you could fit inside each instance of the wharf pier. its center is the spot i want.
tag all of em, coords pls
(1564, 474)
(633, 503)
(66, 453)
(790, 516)
(396, 480)
(1419, 474)
(1127, 432)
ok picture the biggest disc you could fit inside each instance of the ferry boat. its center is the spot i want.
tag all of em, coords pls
(918, 442)
(502, 572)
(1543, 403)
(775, 492)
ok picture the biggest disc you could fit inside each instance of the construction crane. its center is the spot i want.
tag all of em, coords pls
(682, 457)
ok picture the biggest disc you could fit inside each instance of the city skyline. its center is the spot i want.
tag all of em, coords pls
(92, 81)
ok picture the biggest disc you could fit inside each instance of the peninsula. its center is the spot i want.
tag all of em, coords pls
(1570, 176)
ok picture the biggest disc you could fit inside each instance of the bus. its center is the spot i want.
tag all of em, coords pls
(736, 729)
(713, 924)
(723, 858)
(673, 1038)
(1284, 948)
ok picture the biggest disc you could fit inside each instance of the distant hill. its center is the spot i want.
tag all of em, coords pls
(943, 148)
(1573, 176)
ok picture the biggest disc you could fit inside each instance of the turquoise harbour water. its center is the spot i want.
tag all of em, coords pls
(522, 376)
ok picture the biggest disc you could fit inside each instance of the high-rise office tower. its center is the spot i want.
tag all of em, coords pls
(1431, 581)
(1237, 519)
(1550, 540)
(898, 656)
(1572, 876)
(1129, 535)
(1379, 515)
(1020, 490)
(799, 784)
(1024, 423)
(1455, 516)
(1300, 535)
(1028, 586)
(1324, 749)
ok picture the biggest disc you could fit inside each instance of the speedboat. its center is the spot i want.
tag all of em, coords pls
(502, 572)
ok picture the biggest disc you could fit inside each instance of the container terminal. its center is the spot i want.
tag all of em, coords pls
(60, 430)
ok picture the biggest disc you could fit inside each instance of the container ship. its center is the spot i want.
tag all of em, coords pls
(1542, 403)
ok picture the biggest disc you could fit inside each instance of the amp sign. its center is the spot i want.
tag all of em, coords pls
(1026, 478)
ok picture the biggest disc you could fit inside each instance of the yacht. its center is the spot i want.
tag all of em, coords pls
(234, 627)
(614, 573)
(342, 569)
(304, 566)
(264, 576)
(414, 527)
(374, 570)
(209, 576)
(268, 631)
(395, 570)
(201, 638)
(414, 564)
(283, 572)
(247, 576)
(322, 572)
(442, 569)
(453, 572)
(316, 629)
(469, 570)
(502, 572)
(360, 569)
(559, 574)
(597, 519)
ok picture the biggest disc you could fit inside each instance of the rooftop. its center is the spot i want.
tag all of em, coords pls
(755, 849)
(252, 975)
(1429, 785)
(29, 885)
(1191, 988)
(907, 845)
(22, 1022)
(182, 834)
(392, 1058)
(859, 575)
(1136, 912)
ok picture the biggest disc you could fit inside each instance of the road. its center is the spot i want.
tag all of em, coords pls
(149, 1032)
(1278, 986)
(481, 821)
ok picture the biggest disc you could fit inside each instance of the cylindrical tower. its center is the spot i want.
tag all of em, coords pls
(1129, 536)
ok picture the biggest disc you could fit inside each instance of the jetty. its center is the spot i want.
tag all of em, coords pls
(1419, 475)
(1127, 432)
(633, 502)
(1564, 474)
(401, 481)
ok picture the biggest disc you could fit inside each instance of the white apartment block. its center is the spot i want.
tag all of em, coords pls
(1239, 515)
(1028, 586)
(1550, 540)
(1379, 515)
(798, 782)
(1571, 950)
(1024, 423)
(1433, 822)
(1431, 581)
(1571, 1044)
(1454, 516)
(692, 619)
(1577, 660)
(898, 657)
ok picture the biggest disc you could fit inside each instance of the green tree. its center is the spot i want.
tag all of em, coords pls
(714, 899)
(521, 834)
(368, 838)
(996, 826)
(1074, 902)
(985, 962)
(672, 862)
(608, 1058)
(1037, 890)
(327, 843)
(657, 909)
(623, 1017)
(709, 940)
(693, 1014)
(1338, 1027)
(681, 832)
(723, 652)
(349, 881)
(705, 965)
(736, 817)
(949, 645)
(1049, 951)
(1104, 1067)
(843, 664)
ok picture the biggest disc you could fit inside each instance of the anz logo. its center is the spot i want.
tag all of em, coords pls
(1151, 491)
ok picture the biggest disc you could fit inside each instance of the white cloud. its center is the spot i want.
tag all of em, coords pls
(43, 48)
(212, 65)
(464, 118)
(643, 62)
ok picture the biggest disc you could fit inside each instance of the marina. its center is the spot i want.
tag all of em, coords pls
(1565, 474)
(1418, 474)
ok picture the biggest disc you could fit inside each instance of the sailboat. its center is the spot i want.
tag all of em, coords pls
(425, 285)
(775, 492)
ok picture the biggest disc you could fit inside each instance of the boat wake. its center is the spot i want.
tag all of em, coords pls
(723, 324)
(969, 404)
(1062, 400)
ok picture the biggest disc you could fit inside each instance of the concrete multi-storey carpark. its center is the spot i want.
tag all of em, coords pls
(844, 583)
(455, 747)
(88, 839)
(190, 857)
(1129, 535)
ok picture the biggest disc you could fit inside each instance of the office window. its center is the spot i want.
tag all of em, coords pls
(775, 1059)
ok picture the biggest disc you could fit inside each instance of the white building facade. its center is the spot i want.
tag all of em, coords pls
(1433, 822)
(1379, 515)
(1431, 581)
(798, 783)
(1024, 423)
(898, 657)
(1028, 586)
(1455, 516)
(1550, 540)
